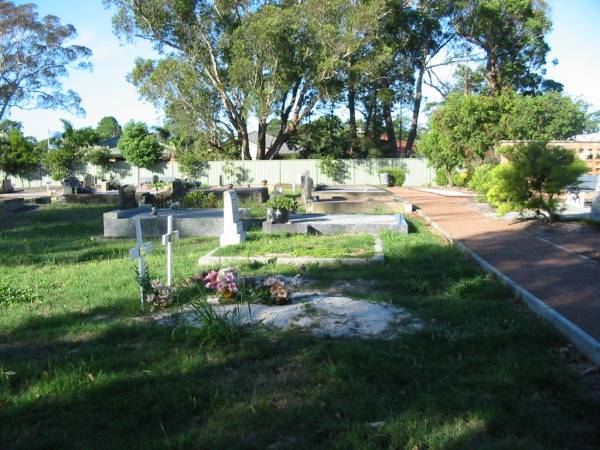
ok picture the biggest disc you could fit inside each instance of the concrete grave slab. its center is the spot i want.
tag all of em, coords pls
(339, 224)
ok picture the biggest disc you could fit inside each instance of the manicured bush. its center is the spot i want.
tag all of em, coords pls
(533, 178)
(397, 175)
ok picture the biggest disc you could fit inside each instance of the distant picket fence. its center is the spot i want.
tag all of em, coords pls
(358, 171)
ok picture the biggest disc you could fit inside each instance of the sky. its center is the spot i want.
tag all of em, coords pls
(574, 42)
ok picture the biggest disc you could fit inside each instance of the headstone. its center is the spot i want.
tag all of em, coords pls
(596, 201)
(307, 187)
(138, 252)
(167, 239)
(127, 197)
(233, 231)
(104, 186)
(7, 187)
(147, 199)
(71, 186)
(89, 181)
(178, 188)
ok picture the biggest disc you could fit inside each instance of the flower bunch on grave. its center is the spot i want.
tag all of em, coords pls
(224, 281)
(229, 285)
(158, 294)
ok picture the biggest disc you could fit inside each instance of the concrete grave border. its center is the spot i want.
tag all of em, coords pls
(209, 258)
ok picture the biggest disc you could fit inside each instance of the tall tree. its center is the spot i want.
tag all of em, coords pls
(512, 35)
(108, 127)
(213, 38)
(18, 155)
(34, 57)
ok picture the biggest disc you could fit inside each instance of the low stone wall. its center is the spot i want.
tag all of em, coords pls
(85, 199)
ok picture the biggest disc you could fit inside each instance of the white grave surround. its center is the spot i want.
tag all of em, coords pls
(233, 230)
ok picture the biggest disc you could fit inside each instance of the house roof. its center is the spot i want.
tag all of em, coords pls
(270, 139)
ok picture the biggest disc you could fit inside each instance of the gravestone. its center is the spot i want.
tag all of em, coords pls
(71, 186)
(233, 230)
(7, 187)
(596, 201)
(178, 188)
(167, 240)
(104, 186)
(89, 181)
(147, 198)
(127, 197)
(307, 187)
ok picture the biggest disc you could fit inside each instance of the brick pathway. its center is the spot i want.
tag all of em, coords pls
(562, 279)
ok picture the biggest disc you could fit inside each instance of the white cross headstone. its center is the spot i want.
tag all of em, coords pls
(167, 239)
(138, 252)
(233, 230)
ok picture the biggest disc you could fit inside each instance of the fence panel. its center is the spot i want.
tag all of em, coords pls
(358, 171)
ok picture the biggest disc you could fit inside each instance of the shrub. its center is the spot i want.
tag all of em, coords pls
(460, 179)
(397, 175)
(533, 178)
(481, 181)
(441, 178)
(138, 146)
(283, 202)
(200, 199)
(334, 168)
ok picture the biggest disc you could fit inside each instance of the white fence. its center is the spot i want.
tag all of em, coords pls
(357, 171)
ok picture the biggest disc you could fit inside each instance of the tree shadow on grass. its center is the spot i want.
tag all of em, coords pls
(136, 386)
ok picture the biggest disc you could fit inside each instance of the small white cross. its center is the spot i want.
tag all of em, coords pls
(167, 239)
(138, 252)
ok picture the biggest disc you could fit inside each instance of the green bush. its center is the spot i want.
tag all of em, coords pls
(460, 179)
(533, 178)
(481, 181)
(397, 175)
(283, 202)
(200, 199)
(441, 179)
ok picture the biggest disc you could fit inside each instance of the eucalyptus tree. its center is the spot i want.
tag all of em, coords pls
(34, 56)
(512, 35)
(244, 57)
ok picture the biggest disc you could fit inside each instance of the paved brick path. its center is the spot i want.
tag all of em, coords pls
(567, 282)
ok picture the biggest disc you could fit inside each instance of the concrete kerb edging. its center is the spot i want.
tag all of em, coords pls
(583, 341)
(209, 258)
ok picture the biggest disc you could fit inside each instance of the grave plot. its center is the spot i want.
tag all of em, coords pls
(299, 249)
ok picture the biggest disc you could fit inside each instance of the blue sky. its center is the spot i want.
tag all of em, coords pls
(574, 41)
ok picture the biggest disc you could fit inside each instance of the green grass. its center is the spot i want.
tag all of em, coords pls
(78, 372)
(334, 246)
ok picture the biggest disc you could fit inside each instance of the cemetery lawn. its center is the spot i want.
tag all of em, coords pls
(318, 246)
(79, 371)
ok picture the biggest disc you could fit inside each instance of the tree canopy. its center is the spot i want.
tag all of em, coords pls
(18, 155)
(34, 56)
(139, 146)
(108, 127)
